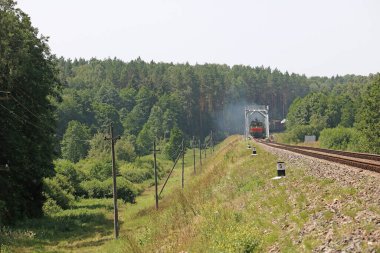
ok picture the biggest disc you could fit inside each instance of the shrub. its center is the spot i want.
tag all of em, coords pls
(340, 138)
(93, 168)
(53, 189)
(173, 147)
(125, 150)
(125, 189)
(93, 188)
(138, 176)
(51, 207)
(69, 176)
(104, 189)
(297, 133)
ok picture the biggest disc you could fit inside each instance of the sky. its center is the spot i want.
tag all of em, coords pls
(324, 37)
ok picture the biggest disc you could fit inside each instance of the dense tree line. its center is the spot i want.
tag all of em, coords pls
(345, 117)
(28, 72)
(146, 100)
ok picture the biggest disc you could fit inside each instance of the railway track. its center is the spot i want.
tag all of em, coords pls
(359, 160)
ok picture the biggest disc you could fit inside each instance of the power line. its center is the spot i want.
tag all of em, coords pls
(19, 118)
(23, 106)
(23, 121)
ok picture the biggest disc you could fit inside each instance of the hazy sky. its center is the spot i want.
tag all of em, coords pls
(320, 37)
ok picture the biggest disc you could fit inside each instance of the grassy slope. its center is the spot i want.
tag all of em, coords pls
(235, 206)
(89, 223)
(232, 206)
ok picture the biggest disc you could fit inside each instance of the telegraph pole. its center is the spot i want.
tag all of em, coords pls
(183, 166)
(212, 141)
(155, 173)
(194, 154)
(200, 155)
(115, 213)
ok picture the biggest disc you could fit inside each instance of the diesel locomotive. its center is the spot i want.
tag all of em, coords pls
(257, 129)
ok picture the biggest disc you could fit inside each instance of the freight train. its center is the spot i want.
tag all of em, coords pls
(257, 129)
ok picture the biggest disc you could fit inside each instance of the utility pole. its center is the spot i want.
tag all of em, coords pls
(183, 165)
(155, 173)
(212, 141)
(205, 150)
(200, 155)
(194, 154)
(115, 213)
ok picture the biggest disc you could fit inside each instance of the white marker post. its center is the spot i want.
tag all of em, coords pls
(280, 169)
(254, 151)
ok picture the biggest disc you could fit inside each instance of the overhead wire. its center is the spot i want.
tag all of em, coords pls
(22, 120)
(23, 106)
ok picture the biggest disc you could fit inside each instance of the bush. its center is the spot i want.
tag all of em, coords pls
(173, 147)
(93, 188)
(125, 150)
(104, 189)
(51, 207)
(68, 176)
(53, 189)
(297, 134)
(137, 176)
(125, 189)
(340, 138)
(100, 169)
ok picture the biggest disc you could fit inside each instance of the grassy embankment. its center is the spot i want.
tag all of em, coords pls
(235, 206)
(232, 206)
(88, 224)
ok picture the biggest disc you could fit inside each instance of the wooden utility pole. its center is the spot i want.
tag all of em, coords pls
(194, 154)
(183, 165)
(115, 213)
(200, 155)
(212, 141)
(155, 173)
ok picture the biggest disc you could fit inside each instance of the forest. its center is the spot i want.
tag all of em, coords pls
(343, 118)
(55, 113)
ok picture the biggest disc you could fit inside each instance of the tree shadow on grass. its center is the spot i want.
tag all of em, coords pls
(93, 206)
(67, 226)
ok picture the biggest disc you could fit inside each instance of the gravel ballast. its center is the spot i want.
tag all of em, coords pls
(359, 213)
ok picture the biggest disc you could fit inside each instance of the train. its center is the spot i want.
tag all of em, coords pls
(257, 129)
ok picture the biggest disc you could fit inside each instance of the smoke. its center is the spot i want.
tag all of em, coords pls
(231, 119)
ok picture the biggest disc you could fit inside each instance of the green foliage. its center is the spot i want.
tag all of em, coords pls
(28, 71)
(106, 114)
(339, 108)
(297, 133)
(136, 119)
(340, 138)
(368, 120)
(103, 189)
(127, 97)
(56, 189)
(66, 169)
(75, 141)
(107, 94)
(144, 141)
(99, 148)
(96, 168)
(51, 207)
(138, 172)
(125, 150)
(173, 147)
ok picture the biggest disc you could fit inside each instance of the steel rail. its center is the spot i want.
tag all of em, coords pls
(346, 159)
